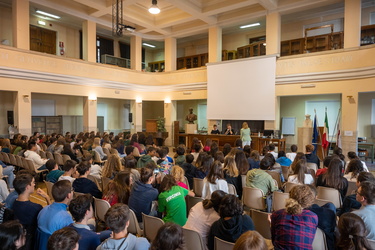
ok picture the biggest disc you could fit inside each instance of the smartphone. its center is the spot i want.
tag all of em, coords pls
(156, 171)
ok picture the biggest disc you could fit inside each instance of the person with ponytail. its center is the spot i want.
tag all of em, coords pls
(204, 214)
(352, 233)
(294, 227)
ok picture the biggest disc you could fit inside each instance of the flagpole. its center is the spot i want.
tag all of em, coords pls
(334, 130)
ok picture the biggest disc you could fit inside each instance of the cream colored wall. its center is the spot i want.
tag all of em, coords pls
(151, 110)
(65, 105)
(115, 112)
(364, 116)
(183, 110)
(6, 104)
(6, 24)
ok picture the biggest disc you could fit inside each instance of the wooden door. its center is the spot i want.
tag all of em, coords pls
(42, 40)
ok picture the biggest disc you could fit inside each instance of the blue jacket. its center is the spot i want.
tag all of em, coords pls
(141, 198)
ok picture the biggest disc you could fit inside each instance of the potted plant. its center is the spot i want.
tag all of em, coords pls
(160, 124)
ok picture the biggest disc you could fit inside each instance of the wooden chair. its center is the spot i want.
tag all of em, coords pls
(134, 225)
(192, 201)
(19, 161)
(278, 200)
(43, 154)
(222, 244)
(288, 186)
(26, 164)
(276, 176)
(319, 242)
(66, 158)
(253, 198)
(101, 208)
(1, 157)
(49, 155)
(331, 194)
(261, 222)
(198, 187)
(49, 186)
(193, 240)
(106, 151)
(151, 226)
(6, 159)
(232, 189)
(58, 158)
(351, 187)
(312, 166)
(12, 159)
(243, 179)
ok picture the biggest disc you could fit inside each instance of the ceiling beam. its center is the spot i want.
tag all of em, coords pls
(269, 4)
(230, 7)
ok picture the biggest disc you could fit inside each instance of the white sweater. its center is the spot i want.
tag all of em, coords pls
(37, 160)
(209, 188)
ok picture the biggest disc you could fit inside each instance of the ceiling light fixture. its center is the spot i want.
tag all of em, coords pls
(47, 14)
(154, 9)
(149, 45)
(40, 22)
(249, 25)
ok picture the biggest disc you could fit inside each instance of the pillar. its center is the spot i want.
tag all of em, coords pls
(349, 129)
(352, 23)
(170, 114)
(89, 114)
(214, 44)
(89, 41)
(136, 107)
(170, 53)
(136, 53)
(21, 24)
(273, 33)
(22, 112)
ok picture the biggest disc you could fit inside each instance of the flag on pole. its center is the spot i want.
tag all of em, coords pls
(338, 139)
(325, 142)
(315, 136)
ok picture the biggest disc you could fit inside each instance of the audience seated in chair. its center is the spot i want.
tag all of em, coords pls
(70, 171)
(117, 219)
(231, 174)
(283, 160)
(151, 151)
(12, 235)
(181, 159)
(189, 169)
(301, 174)
(118, 190)
(169, 237)
(214, 180)
(353, 233)
(55, 216)
(354, 167)
(54, 172)
(232, 223)
(259, 178)
(292, 154)
(84, 185)
(66, 238)
(250, 240)
(31, 154)
(310, 156)
(112, 166)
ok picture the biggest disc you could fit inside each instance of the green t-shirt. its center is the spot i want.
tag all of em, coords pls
(173, 203)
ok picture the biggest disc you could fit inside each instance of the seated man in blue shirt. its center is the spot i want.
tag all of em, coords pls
(55, 216)
(81, 210)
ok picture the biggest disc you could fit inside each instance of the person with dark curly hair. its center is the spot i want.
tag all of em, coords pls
(64, 239)
(294, 227)
(12, 235)
(169, 237)
(232, 222)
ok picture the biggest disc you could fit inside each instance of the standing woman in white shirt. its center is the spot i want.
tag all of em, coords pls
(301, 175)
(214, 180)
(245, 134)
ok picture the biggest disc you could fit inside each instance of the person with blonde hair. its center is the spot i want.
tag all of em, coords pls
(179, 175)
(97, 148)
(231, 174)
(112, 166)
(245, 134)
(294, 227)
(250, 240)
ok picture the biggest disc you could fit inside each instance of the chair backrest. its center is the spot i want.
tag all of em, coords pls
(66, 158)
(113, 151)
(351, 187)
(101, 208)
(95, 180)
(311, 165)
(76, 194)
(232, 189)
(253, 198)
(319, 242)
(320, 202)
(222, 244)
(5, 157)
(43, 154)
(193, 240)
(12, 159)
(330, 194)
(26, 164)
(192, 201)
(106, 151)
(285, 171)
(243, 180)
(43, 146)
(49, 155)
(58, 159)
(49, 186)
(312, 172)
(261, 222)
(372, 243)
(278, 200)
(288, 186)
(19, 161)
(1, 157)
(276, 176)
(105, 181)
(151, 226)
(134, 225)
(198, 187)
(97, 157)
(186, 182)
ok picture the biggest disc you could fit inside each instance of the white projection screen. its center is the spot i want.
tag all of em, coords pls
(242, 89)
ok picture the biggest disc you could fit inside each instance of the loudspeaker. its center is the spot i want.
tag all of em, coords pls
(10, 117)
(130, 117)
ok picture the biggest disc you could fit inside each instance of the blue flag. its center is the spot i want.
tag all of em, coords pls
(315, 136)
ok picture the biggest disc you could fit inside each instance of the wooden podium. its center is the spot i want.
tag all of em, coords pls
(151, 125)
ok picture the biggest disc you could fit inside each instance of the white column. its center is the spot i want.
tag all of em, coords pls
(22, 112)
(273, 33)
(89, 115)
(136, 53)
(21, 24)
(170, 114)
(170, 53)
(89, 41)
(137, 116)
(349, 129)
(214, 44)
(352, 23)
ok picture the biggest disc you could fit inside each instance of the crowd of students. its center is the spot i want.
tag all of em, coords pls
(140, 176)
